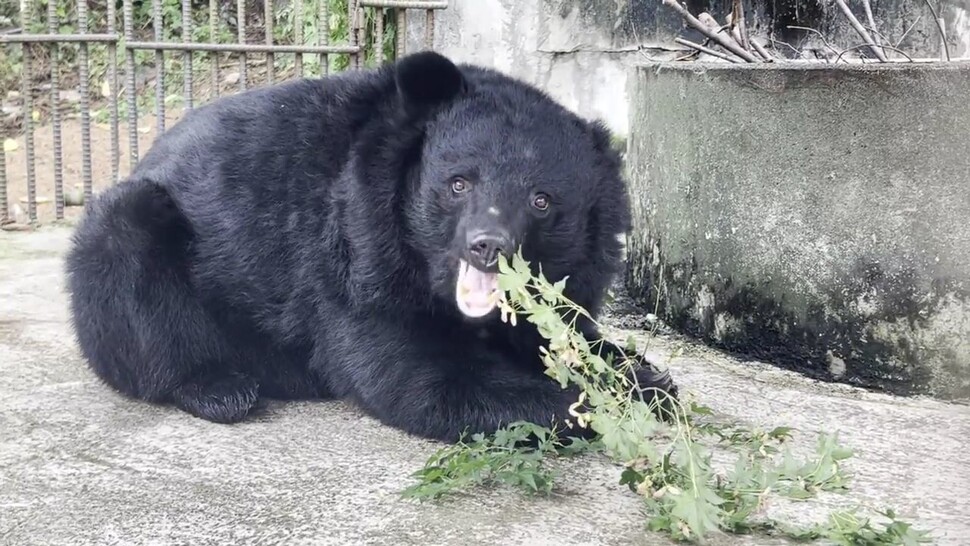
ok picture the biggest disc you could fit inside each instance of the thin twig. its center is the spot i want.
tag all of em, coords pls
(708, 50)
(786, 44)
(819, 34)
(861, 30)
(846, 50)
(726, 44)
(939, 25)
(911, 27)
(878, 36)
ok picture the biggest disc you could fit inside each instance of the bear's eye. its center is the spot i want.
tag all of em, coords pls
(459, 185)
(540, 201)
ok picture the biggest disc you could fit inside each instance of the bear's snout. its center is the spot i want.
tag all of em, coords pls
(485, 245)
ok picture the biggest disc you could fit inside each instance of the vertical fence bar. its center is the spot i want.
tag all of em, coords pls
(429, 28)
(186, 55)
(323, 36)
(4, 205)
(113, 90)
(268, 28)
(401, 30)
(56, 114)
(82, 23)
(159, 70)
(213, 37)
(27, 94)
(353, 33)
(379, 35)
(130, 85)
(298, 34)
(241, 26)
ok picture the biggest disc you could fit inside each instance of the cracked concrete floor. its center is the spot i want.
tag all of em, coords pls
(81, 465)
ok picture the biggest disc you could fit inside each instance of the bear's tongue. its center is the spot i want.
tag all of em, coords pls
(476, 292)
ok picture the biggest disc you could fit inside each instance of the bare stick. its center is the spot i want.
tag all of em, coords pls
(708, 50)
(872, 20)
(762, 51)
(739, 38)
(862, 31)
(733, 29)
(739, 24)
(942, 29)
(725, 43)
(846, 50)
(944, 49)
(709, 21)
(713, 25)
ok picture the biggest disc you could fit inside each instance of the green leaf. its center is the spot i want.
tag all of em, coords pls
(781, 432)
(631, 344)
(696, 510)
(560, 285)
(631, 478)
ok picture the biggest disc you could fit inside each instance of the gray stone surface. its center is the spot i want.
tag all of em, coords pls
(80, 465)
(815, 217)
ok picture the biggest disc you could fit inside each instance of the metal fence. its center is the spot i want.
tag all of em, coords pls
(123, 47)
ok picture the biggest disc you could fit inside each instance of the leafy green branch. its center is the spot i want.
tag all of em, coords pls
(657, 438)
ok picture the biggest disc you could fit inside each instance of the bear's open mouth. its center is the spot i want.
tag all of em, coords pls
(476, 291)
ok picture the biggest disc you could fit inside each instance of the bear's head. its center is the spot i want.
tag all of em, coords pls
(497, 165)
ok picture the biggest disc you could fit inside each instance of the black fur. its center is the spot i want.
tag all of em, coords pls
(301, 241)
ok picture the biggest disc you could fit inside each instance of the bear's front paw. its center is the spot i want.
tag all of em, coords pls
(220, 399)
(655, 384)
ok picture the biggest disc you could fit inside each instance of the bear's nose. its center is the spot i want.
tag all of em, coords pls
(485, 246)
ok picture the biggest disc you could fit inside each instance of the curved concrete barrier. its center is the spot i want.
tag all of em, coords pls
(815, 217)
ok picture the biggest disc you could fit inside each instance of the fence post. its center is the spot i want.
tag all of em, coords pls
(82, 23)
(159, 69)
(241, 26)
(353, 32)
(187, 55)
(56, 113)
(113, 89)
(130, 86)
(214, 56)
(323, 35)
(268, 30)
(27, 95)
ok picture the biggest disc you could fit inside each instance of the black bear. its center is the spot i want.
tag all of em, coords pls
(339, 237)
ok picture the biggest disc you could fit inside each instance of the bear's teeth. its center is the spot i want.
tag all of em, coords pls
(475, 291)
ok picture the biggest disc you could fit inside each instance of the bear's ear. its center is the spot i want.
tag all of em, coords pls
(602, 138)
(426, 80)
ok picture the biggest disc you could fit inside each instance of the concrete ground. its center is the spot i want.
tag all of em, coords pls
(81, 465)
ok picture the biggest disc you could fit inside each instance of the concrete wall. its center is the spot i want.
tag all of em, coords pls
(580, 50)
(817, 218)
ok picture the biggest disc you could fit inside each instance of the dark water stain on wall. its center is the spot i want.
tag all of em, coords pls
(863, 330)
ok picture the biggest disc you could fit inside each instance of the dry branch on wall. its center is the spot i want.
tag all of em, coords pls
(709, 51)
(762, 51)
(944, 48)
(861, 30)
(732, 43)
(736, 22)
